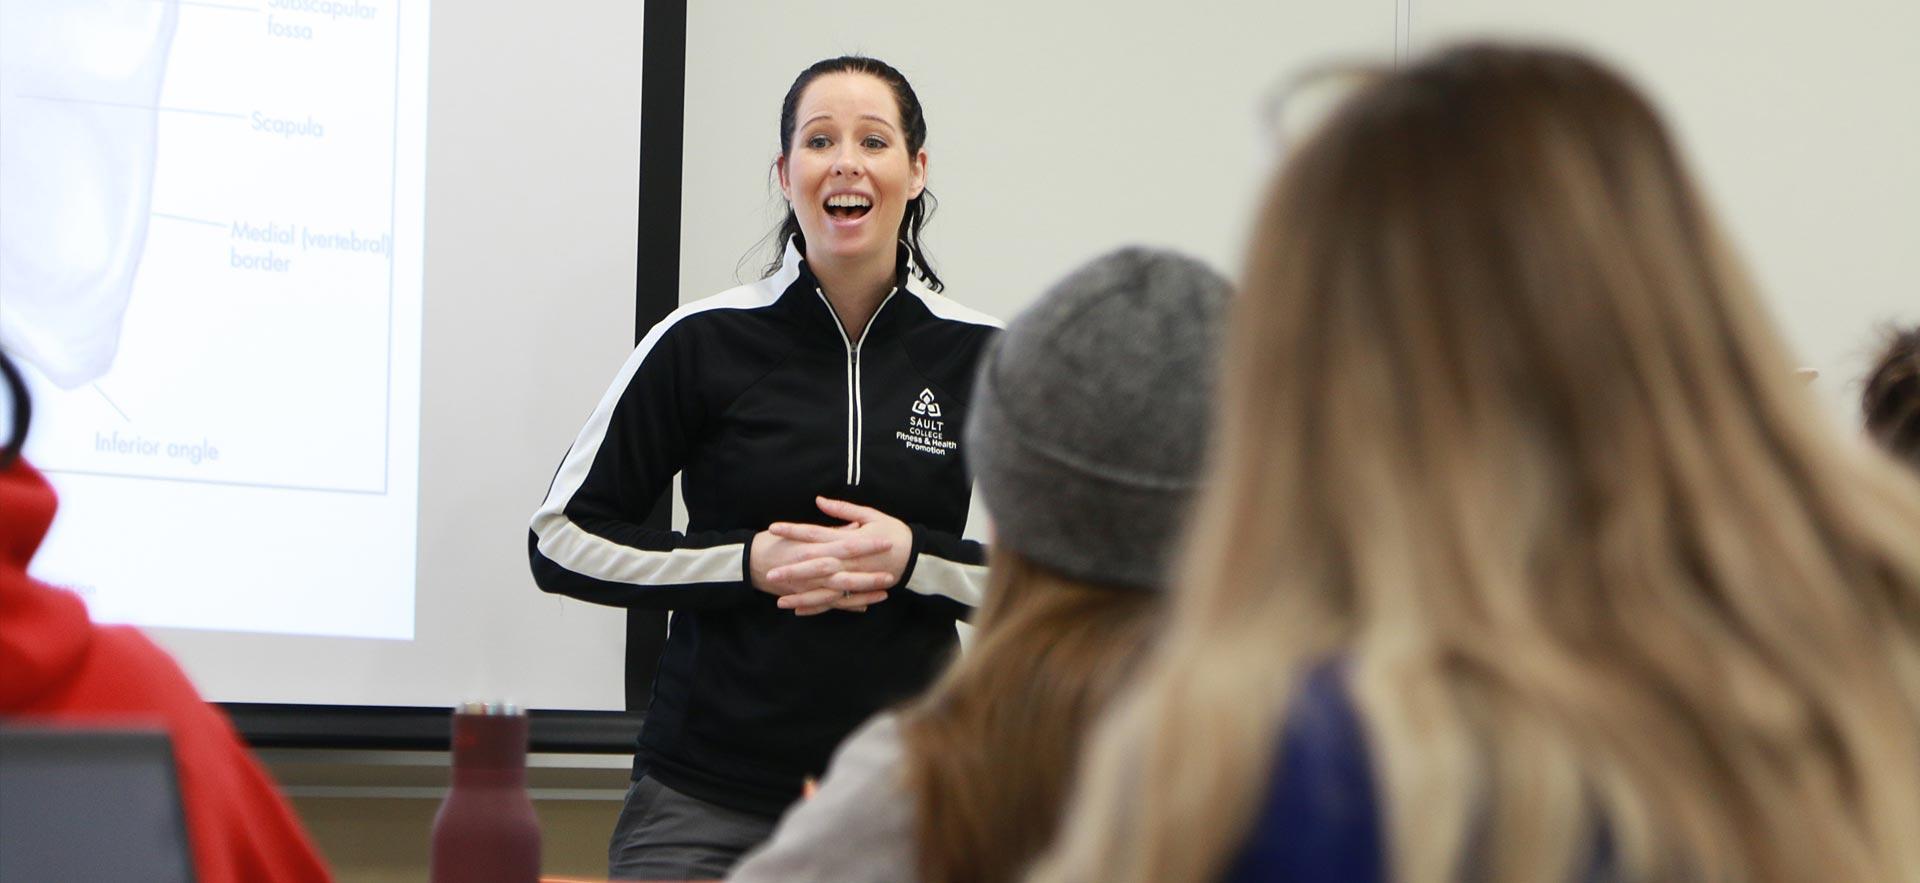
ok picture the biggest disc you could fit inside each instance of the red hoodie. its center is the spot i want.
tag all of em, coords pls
(56, 666)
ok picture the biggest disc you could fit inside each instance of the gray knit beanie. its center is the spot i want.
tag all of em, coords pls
(1089, 416)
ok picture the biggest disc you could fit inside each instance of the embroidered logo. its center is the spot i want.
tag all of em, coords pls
(925, 406)
(926, 432)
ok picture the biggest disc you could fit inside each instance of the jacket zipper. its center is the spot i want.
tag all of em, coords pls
(856, 421)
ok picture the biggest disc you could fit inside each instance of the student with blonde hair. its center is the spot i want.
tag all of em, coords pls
(1523, 556)
(1085, 439)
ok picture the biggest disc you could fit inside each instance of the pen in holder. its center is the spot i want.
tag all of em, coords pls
(486, 831)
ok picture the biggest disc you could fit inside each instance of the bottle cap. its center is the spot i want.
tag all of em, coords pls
(491, 709)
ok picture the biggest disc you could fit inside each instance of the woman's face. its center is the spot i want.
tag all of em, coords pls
(847, 172)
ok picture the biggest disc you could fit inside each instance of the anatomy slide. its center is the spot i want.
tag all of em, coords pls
(210, 236)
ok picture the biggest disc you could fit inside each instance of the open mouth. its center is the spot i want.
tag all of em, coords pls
(848, 206)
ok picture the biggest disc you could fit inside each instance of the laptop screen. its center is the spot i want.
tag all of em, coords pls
(90, 805)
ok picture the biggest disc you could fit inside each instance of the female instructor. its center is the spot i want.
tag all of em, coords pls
(814, 417)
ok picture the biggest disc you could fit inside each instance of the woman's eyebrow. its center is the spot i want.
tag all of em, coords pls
(824, 115)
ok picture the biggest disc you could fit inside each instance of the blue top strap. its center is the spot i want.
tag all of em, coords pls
(1320, 822)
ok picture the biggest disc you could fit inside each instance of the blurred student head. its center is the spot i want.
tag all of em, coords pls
(1505, 435)
(1085, 439)
(19, 410)
(1891, 400)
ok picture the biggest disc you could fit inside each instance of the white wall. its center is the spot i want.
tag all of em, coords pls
(1062, 129)
(1802, 122)
(1057, 130)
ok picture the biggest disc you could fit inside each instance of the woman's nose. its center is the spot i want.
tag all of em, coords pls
(847, 164)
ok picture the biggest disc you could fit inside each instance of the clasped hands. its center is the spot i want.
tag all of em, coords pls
(814, 568)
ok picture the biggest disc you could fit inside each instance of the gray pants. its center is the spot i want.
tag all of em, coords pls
(663, 834)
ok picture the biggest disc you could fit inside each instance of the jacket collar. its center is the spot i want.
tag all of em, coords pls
(793, 268)
(796, 282)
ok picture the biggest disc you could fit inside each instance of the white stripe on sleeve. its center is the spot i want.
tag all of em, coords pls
(965, 583)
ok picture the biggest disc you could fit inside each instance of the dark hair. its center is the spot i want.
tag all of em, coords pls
(1891, 400)
(22, 412)
(912, 120)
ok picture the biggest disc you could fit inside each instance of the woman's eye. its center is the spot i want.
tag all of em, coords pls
(817, 141)
(875, 142)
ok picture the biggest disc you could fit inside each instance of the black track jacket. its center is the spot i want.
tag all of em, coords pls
(760, 401)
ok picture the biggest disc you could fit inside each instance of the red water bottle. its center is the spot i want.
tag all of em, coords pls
(486, 831)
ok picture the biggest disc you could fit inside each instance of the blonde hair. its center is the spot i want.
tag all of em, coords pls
(1504, 430)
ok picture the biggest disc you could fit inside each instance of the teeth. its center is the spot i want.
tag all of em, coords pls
(848, 200)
